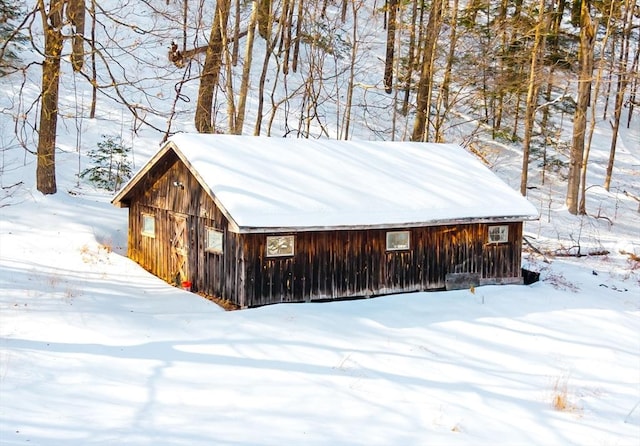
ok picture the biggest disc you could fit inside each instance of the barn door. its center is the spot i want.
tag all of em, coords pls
(179, 248)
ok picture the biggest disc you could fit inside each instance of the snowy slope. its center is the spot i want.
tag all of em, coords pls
(95, 350)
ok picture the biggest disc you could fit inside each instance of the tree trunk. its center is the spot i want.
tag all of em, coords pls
(94, 70)
(185, 24)
(285, 42)
(76, 14)
(442, 106)
(352, 74)
(392, 8)
(635, 81)
(621, 88)
(269, 46)
(585, 59)
(426, 76)
(582, 205)
(411, 58)
(296, 43)
(236, 34)
(503, 65)
(532, 95)
(246, 70)
(211, 70)
(231, 105)
(53, 41)
(554, 37)
(264, 19)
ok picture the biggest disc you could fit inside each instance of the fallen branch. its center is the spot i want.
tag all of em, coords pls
(632, 255)
(567, 253)
(13, 185)
(10, 190)
(633, 197)
(179, 58)
(536, 250)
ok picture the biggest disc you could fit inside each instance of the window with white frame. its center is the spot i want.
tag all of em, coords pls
(397, 240)
(498, 234)
(148, 225)
(280, 245)
(213, 241)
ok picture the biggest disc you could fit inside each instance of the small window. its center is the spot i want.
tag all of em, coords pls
(498, 234)
(280, 245)
(214, 241)
(397, 241)
(148, 225)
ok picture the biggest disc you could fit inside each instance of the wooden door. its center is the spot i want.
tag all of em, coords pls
(179, 248)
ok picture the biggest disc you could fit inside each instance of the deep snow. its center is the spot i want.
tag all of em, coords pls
(95, 350)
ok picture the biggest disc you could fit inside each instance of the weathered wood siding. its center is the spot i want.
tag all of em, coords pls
(341, 264)
(169, 190)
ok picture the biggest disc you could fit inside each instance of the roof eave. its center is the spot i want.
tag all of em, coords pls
(430, 223)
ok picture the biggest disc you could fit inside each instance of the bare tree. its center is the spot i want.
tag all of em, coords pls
(296, 40)
(532, 91)
(392, 9)
(211, 71)
(595, 96)
(246, 70)
(623, 75)
(264, 29)
(264, 19)
(411, 55)
(635, 84)
(585, 59)
(52, 22)
(346, 125)
(426, 75)
(76, 15)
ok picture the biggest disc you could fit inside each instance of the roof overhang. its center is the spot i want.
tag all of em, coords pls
(424, 224)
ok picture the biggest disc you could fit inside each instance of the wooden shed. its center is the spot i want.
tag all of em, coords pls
(256, 220)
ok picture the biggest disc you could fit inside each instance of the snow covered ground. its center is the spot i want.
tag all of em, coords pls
(95, 350)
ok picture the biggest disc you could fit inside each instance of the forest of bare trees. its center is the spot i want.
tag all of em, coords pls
(516, 71)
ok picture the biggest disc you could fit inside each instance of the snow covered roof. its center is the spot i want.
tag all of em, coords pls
(274, 184)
